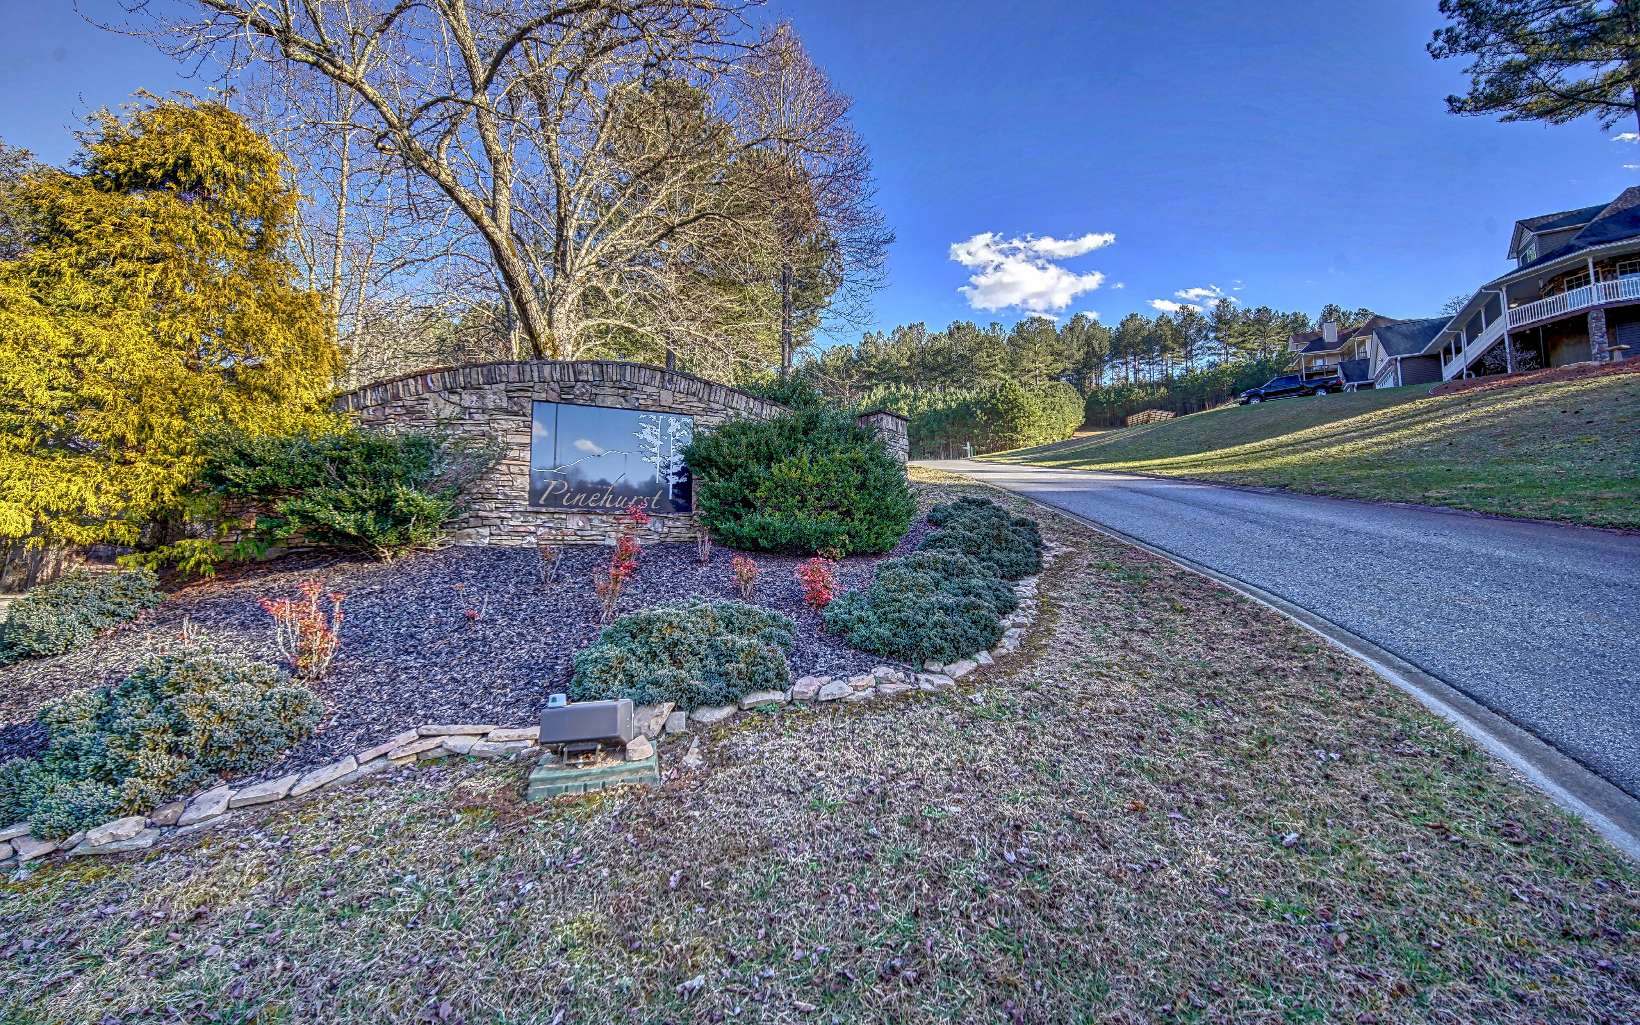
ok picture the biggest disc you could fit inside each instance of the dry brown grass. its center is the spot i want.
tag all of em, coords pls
(1173, 806)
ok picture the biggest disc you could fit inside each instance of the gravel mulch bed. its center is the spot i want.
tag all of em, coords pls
(409, 653)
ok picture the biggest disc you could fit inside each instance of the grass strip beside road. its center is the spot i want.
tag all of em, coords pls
(1564, 450)
(1174, 806)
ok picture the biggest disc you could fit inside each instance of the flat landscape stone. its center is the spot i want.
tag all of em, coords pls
(834, 690)
(11, 832)
(639, 748)
(935, 681)
(864, 681)
(203, 824)
(983, 658)
(407, 737)
(6, 850)
(495, 751)
(712, 714)
(691, 757)
(369, 768)
(167, 814)
(29, 847)
(263, 793)
(451, 730)
(460, 744)
(957, 670)
(509, 734)
(114, 832)
(763, 697)
(317, 778)
(894, 688)
(650, 720)
(807, 688)
(138, 841)
(210, 803)
(677, 722)
(855, 697)
(412, 750)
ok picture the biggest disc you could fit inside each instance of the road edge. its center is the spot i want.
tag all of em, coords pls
(1605, 808)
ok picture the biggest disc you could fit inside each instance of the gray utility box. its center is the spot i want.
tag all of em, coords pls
(587, 723)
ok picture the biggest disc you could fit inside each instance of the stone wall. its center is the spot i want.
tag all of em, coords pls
(893, 429)
(494, 400)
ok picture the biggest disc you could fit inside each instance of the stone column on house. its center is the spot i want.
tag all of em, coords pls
(1599, 343)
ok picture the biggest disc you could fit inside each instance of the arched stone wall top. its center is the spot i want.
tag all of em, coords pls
(560, 372)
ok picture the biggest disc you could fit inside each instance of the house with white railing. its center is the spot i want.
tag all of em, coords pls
(1573, 296)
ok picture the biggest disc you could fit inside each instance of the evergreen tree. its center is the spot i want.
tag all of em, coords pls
(153, 303)
(1545, 60)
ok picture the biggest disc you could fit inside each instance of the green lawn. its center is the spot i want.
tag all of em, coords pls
(1566, 450)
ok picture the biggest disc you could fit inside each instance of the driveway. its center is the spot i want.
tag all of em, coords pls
(1537, 622)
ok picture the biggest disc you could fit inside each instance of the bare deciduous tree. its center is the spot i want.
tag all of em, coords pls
(520, 116)
(830, 242)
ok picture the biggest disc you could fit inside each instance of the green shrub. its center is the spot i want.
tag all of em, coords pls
(809, 481)
(172, 727)
(69, 612)
(984, 531)
(948, 573)
(694, 653)
(913, 625)
(358, 490)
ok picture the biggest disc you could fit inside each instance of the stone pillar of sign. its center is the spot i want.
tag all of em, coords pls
(1599, 345)
(893, 429)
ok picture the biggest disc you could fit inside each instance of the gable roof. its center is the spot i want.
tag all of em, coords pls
(1409, 337)
(1345, 336)
(1354, 371)
(1613, 222)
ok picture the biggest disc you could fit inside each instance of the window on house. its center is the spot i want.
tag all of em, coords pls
(1576, 280)
(1628, 268)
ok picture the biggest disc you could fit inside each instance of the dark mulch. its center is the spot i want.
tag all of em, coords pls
(409, 653)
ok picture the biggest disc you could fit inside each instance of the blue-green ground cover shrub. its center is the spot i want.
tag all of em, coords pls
(67, 613)
(809, 481)
(694, 653)
(172, 727)
(946, 600)
(986, 532)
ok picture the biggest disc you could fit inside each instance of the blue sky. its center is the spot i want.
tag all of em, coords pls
(1293, 158)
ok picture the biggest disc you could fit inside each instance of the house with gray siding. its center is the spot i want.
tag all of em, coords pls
(1573, 296)
(1396, 353)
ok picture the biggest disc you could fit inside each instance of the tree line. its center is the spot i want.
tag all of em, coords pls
(1183, 361)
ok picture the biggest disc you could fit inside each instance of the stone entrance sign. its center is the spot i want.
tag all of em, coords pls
(625, 422)
(601, 459)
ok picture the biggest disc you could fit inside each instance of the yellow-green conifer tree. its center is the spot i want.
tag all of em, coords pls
(152, 302)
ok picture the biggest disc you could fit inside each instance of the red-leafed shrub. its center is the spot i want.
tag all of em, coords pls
(307, 632)
(819, 579)
(623, 563)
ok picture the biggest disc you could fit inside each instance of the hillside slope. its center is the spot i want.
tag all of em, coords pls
(1566, 450)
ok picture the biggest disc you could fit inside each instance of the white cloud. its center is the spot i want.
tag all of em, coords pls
(1203, 293)
(1120, 284)
(1169, 306)
(1631, 167)
(1021, 271)
(1626, 137)
(1091, 313)
(590, 447)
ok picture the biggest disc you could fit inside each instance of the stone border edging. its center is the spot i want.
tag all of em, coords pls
(216, 807)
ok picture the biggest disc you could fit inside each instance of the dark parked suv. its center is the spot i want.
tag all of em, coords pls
(1291, 384)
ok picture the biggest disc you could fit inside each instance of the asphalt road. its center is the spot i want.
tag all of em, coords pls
(1540, 623)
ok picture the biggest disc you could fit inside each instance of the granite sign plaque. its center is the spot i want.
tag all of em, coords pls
(603, 459)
